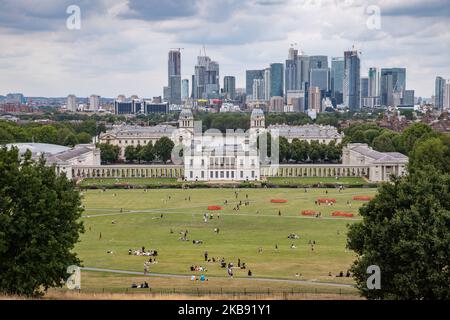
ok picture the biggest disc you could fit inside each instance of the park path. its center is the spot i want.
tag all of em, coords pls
(168, 275)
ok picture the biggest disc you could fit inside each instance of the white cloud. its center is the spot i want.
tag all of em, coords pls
(122, 45)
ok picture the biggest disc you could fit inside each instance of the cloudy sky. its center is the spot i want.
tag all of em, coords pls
(121, 46)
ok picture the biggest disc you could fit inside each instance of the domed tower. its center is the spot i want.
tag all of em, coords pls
(186, 119)
(257, 119)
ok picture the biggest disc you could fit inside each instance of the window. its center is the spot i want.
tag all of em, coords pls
(203, 162)
(191, 174)
(253, 174)
(242, 174)
(211, 174)
(228, 174)
(126, 141)
(191, 163)
(241, 162)
(232, 174)
(221, 174)
(217, 174)
(203, 174)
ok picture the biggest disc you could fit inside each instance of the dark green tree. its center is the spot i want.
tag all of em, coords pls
(406, 232)
(71, 140)
(148, 153)
(108, 152)
(163, 148)
(39, 225)
(130, 153)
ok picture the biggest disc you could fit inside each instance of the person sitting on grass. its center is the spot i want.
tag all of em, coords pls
(249, 273)
(134, 285)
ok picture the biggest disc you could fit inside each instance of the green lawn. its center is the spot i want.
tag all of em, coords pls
(316, 180)
(241, 232)
(131, 181)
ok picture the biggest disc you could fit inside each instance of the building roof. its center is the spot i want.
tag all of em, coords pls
(376, 156)
(38, 148)
(135, 131)
(257, 112)
(306, 131)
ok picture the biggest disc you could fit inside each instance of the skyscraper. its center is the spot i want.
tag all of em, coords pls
(392, 84)
(267, 84)
(291, 73)
(185, 89)
(251, 75)
(258, 90)
(374, 82)
(318, 62)
(229, 87)
(315, 100)
(276, 80)
(337, 79)
(71, 103)
(439, 88)
(447, 96)
(94, 102)
(319, 78)
(351, 85)
(206, 79)
(174, 77)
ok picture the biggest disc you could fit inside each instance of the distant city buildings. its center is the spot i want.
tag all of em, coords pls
(439, 93)
(276, 80)
(94, 103)
(173, 91)
(337, 79)
(351, 83)
(229, 87)
(392, 85)
(71, 103)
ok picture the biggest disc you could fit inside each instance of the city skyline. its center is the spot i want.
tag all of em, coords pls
(121, 48)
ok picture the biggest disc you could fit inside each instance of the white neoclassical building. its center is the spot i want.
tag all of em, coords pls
(381, 164)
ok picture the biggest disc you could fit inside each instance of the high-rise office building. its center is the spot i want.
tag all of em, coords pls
(71, 103)
(408, 98)
(258, 90)
(276, 104)
(94, 102)
(314, 101)
(318, 62)
(251, 75)
(392, 84)
(185, 89)
(319, 78)
(447, 96)
(267, 84)
(291, 71)
(276, 80)
(374, 82)
(174, 77)
(352, 75)
(229, 87)
(439, 88)
(364, 87)
(206, 79)
(337, 79)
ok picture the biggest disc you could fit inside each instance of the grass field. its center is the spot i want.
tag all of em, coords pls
(148, 217)
(316, 180)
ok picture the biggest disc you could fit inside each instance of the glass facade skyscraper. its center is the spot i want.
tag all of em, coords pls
(251, 75)
(229, 87)
(439, 93)
(351, 85)
(174, 77)
(337, 78)
(392, 82)
(276, 80)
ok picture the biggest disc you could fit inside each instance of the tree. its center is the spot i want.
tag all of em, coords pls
(46, 134)
(434, 152)
(39, 225)
(130, 153)
(299, 150)
(334, 151)
(84, 137)
(108, 152)
(406, 232)
(284, 149)
(148, 153)
(384, 142)
(314, 151)
(71, 140)
(163, 148)
(413, 133)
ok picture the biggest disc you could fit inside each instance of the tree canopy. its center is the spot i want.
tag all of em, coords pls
(39, 225)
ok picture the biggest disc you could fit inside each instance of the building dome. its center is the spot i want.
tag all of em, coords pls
(186, 114)
(257, 113)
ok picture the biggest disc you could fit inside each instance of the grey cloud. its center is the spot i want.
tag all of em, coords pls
(161, 10)
(430, 8)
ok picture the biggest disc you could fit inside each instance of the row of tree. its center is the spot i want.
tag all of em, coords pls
(63, 133)
(385, 140)
(160, 151)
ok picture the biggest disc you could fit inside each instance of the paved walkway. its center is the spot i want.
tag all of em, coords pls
(167, 275)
